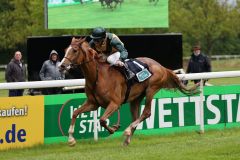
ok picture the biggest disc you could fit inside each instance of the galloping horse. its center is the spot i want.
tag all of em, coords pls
(154, 1)
(106, 87)
(110, 3)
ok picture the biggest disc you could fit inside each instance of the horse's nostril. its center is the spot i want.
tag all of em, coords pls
(61, 67)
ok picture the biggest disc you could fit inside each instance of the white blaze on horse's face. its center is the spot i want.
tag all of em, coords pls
(67, 53)
(69, 58)
(66, 62)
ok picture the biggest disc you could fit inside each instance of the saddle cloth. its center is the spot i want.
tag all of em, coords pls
(137, 69)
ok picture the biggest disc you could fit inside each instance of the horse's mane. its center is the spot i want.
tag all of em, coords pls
(78, 41)
(86, 47)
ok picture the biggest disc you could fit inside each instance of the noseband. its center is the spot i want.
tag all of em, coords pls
(75, 64)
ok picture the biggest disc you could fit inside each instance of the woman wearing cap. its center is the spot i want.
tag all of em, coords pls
(109, 45)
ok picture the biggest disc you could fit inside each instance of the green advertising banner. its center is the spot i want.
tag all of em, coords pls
(171, 111)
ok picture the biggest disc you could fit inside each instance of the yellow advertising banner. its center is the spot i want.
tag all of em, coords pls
(21, 121)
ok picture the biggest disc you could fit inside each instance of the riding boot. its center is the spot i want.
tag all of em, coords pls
(129, 74)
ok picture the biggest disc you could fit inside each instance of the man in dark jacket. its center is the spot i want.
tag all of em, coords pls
(16, 72)
(50, 71)
(198, 63)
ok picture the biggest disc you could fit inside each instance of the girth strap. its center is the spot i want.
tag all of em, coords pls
(129, 86)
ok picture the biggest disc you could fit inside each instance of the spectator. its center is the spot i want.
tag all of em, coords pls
(198, 63)
(16, 72)
(50, 71)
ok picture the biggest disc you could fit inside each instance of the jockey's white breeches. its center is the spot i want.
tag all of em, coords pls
(112, 59)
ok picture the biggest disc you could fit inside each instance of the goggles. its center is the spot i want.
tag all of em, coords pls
(97, 40)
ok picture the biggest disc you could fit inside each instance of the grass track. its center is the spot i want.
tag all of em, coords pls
(132, 14)
(213, 145)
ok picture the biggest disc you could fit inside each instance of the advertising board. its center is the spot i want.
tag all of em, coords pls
(21, 121)
(170, 110)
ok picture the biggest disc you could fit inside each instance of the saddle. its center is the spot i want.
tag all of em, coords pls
(137, 70)
(134, 71)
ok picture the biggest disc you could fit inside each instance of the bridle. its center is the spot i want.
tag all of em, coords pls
(72, 64)
(84, 62)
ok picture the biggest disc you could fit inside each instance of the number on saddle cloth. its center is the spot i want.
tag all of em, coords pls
(138, 69)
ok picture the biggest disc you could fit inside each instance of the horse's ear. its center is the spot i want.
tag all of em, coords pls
(73, 39)
(83, 39)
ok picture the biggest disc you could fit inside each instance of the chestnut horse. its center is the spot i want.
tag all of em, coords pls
(106, 87)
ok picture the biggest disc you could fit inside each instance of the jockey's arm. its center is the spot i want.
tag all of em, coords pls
(120, 47)
(91, 44)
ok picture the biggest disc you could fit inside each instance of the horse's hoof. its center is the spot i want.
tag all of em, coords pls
(116, 127)
(127, 132)
(111, 130)
(127, 141)
(71, 142)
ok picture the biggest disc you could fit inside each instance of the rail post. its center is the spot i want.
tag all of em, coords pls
(95, 131)
(201, 105)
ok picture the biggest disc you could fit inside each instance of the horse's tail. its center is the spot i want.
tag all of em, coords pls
(177, 83)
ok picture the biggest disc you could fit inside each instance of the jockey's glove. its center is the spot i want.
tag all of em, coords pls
(119, 63)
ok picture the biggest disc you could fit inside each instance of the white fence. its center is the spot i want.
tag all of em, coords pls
(43, 84)
(81, 82)
(219, 57)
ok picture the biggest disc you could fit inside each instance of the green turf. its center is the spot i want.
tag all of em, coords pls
(212, 145)
(131, 14)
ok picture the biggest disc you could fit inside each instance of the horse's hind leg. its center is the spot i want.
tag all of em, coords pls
(134, 108)
(86, 107)
(146, 113)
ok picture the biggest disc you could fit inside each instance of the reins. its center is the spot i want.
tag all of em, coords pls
(74, 64)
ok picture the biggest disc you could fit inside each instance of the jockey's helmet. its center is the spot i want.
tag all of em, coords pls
(98, 33)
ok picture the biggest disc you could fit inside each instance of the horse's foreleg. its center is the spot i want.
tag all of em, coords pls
(111, 108)
(86, 107)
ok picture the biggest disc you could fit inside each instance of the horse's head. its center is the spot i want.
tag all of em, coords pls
(76, 54)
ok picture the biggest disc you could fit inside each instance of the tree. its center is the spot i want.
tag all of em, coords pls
(205, 21)
(214, 23)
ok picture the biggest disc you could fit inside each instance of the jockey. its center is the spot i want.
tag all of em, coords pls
(109, 45)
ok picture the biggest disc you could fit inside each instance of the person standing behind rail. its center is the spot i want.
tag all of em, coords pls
(16, 72)
(198, 63)
(50, 71)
